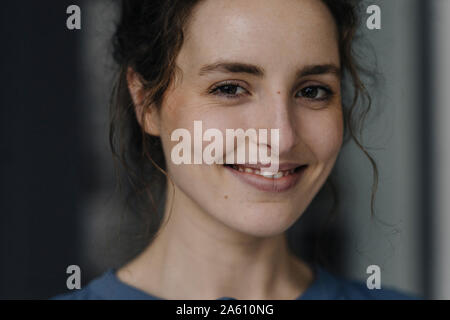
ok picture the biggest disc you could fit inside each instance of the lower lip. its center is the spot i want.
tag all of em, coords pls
(268, 184)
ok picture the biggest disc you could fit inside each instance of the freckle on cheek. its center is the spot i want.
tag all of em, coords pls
(226, 197)
(278, 92)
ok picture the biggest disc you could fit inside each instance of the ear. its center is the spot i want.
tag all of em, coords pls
(147, 116)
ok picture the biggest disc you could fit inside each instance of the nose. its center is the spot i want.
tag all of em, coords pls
(279, 114)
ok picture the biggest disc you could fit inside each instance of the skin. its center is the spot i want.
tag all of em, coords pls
(224, 237)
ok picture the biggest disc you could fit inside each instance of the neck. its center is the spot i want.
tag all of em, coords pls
(195, 256)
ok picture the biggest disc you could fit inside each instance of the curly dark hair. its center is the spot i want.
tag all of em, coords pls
(148, 38)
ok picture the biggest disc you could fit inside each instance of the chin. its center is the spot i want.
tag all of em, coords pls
(262, 230)
(264, 220)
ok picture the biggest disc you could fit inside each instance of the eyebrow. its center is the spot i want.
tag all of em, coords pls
(232, 67)
(238, 67)
(318, 70)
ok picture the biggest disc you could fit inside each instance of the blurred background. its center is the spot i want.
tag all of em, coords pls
(59, 205)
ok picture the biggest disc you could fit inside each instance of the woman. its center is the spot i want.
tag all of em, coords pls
(254, 64)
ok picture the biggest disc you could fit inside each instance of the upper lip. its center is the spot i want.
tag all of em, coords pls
(281, 166)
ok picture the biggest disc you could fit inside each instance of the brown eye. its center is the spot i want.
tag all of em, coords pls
(315, 93)
(228, 90)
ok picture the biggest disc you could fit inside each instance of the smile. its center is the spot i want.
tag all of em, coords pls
(285, 179)
(277, 175)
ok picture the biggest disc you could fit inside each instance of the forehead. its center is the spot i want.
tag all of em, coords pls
(272, 33)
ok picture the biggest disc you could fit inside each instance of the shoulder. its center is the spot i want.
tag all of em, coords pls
(330, 286)
(82, 294)
(359, 291)
(106, 287)
(93, 291)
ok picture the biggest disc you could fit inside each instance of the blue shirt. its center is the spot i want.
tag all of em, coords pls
(325, 286)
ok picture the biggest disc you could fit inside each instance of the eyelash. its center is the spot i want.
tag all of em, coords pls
(223, 85)
(216, 91)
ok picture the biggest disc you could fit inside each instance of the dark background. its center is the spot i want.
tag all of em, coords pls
(45, 166)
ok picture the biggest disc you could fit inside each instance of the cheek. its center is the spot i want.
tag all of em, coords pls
(182, 111)
(322, 132)
(175, 114)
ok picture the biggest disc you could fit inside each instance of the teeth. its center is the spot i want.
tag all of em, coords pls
(266, 174)
(277, 175)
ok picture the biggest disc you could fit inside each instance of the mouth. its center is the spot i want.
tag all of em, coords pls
(285, 179)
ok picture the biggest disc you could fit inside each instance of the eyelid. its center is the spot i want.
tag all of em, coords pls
(307, 84)
(327, 95)
(312, 83)
(236, 83)
(320, 86)
(228, 82)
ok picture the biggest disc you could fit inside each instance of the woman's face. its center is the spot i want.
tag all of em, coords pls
(280, 70)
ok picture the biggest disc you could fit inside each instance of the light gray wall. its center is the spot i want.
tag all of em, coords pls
(391, 137)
